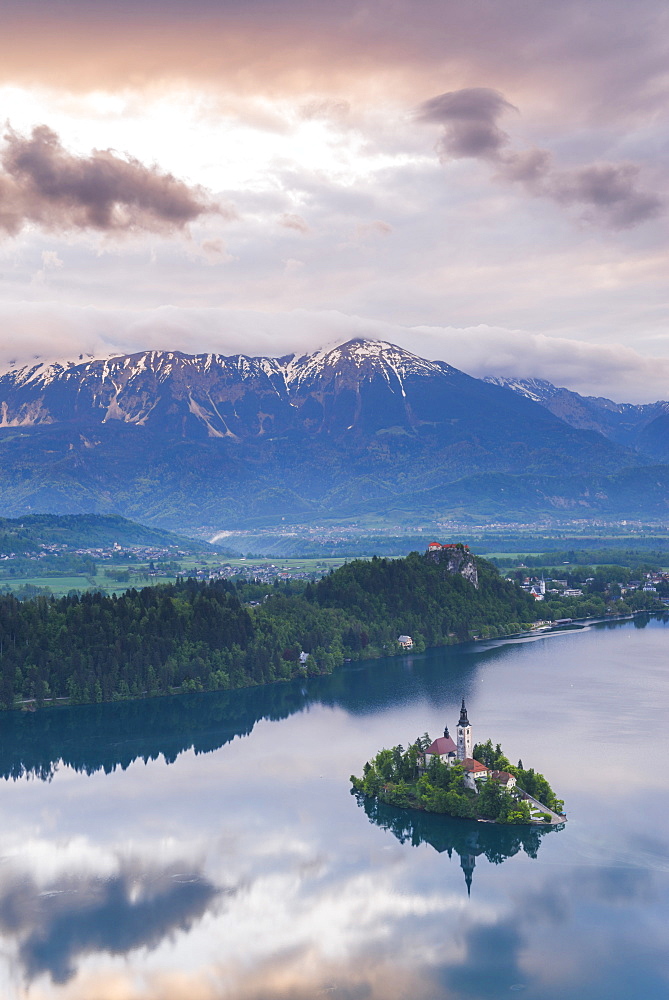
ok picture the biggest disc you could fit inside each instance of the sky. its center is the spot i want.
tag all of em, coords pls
(483, 183)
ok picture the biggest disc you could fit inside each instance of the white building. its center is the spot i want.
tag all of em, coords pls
(504, 778)
(405, 641)
(474, 771)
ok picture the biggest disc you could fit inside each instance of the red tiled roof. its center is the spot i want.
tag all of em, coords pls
(502, 776)
(442, 745)
(475, 766)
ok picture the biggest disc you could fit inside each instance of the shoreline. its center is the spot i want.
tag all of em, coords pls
(29, 705)
(558, 824)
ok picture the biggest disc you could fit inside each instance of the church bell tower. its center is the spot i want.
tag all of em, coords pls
(464, 733)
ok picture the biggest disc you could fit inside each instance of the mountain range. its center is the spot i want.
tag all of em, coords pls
(640, 426)
(366, 429)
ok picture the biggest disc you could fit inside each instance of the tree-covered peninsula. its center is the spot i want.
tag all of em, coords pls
(220, 635)
(416, 779)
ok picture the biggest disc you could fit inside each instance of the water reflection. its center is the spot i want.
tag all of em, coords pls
(467, 838)
(115, 888)
(91, 738)
(55, 924)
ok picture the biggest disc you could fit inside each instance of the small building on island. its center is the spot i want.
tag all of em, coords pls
(475, 771)
(505, 779)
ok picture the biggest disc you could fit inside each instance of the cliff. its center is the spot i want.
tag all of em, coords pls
(456, 558)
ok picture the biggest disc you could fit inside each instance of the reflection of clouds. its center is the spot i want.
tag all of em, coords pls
(301, 931)
(325, 904)
(491, 961)
(56, 924)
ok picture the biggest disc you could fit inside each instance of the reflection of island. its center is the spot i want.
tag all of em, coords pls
(468, 838)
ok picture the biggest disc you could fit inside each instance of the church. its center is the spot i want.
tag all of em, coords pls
(460, 752)
(448, 751)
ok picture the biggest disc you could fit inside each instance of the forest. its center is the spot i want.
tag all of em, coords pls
(219, 635)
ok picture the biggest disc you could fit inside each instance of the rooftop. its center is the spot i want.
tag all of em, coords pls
(474, 766)
(442, 745)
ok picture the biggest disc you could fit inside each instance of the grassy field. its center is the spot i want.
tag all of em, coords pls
(60, 585)
(57, 584)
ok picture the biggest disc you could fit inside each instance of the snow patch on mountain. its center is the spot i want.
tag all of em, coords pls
(536, 389)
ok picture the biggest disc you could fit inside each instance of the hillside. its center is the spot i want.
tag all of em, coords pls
(201, 636)
(73, 531)
(364, 429)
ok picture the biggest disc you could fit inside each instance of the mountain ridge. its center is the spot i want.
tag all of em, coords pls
(363, 427)
(641, 426)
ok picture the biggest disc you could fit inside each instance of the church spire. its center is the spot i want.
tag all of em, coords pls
(464, 721)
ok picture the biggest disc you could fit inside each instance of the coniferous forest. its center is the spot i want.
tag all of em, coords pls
(220, 635)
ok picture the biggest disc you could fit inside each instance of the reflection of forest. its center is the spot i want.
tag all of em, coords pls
(468, 838)
(91, 738)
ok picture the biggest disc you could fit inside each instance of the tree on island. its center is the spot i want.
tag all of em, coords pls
(400, 777)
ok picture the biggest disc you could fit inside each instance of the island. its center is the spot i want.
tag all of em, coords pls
(458, 778)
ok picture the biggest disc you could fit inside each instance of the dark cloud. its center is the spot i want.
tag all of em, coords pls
(608, 189)
(469, 119)
(42, 183)
(77, 916)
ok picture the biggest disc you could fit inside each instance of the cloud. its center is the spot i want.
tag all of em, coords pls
(40, 182)
(56, 331)
(214, 251)
(327, 108)
(50, 262)
(608, 189)
(367, 230)
(470, 128)
(469, 117)
(296, 222)
(617, 68)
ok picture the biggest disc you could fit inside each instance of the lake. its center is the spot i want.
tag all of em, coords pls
(207, 847)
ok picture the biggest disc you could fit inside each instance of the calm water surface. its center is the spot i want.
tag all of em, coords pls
(208, 847)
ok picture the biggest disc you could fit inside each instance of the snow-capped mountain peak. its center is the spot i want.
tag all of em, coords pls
(360, 358)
